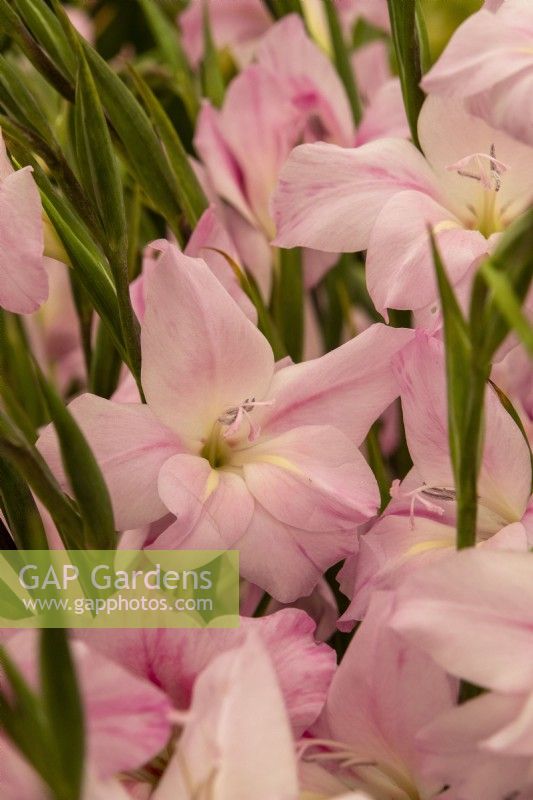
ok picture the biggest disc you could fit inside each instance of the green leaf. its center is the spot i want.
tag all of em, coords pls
(402, 15)
(22, 516)
(20, 102)
(377, 465)
(279, 8)
(84, 474)
(145, 155)
(63, 707)
(167, 37)
(31, 466)
(514, 258)
(22, 718)
(288, 307)
(100, 167)
(105, 366)
(48, 32)
(18, 376)
(12, 26)
(458, 355)
(343, 61)
(191, 195)
(213, 83)
(507, 302)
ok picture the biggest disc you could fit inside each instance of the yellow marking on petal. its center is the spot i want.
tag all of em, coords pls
(279, 461)
(430, 544)
(211, 485)
(445, 225)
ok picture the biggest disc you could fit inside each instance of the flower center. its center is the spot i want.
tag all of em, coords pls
(487, 170)
(233, 418)
(217, 449)
(386, 780)
(420, 494)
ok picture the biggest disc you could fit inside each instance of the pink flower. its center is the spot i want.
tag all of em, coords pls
(514, 375)
(472, 614)
(382, 197)
(292, 93)
(127, 719)
(419, 524)
(382, 694)
(23, 278)
(489, 62)
(54, 332)
(246, 456)
(237, 742)
(173, 659)
(237, 25)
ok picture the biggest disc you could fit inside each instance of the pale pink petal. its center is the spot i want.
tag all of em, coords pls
(17, 778)
(174, 658)
(23, 278)
(505, 476)
(385, 115)
(201, 355)
(448, 134)
(258, 125)
(483, 51)
(312, 81)
(320, 605)
(393, 548)
(316, 264)
(457, 754)
(371, 66)
(238, 742)
(507, 106)
(312, 478)
(225, 173)
(235, 25)
(191, 489)
(209, 237)
(254, 250)
(130, 446)
(399, 267)
(347, 388)
(382, 694)
(486, 598)
(328, 197)
(288, 563)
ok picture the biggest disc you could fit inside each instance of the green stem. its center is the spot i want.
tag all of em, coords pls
(403, 21)
(342, 61)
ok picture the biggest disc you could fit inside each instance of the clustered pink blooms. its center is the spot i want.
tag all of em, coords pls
(231, 449)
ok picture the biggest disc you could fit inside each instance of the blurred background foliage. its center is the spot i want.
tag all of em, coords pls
(121, 22)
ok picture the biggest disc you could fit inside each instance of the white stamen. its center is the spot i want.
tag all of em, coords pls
(233, 417)
(482, 167)
(439, 492)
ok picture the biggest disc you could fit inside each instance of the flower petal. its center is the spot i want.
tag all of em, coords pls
(486, 598)
(328, 197)
(193, 491)
(23, 277)
(312, 478)
(174, 658)
(201, 355)
(309, 77)
(286, 562)
(347, 388)
(130, 446)
(238, 737)
(399, 267)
